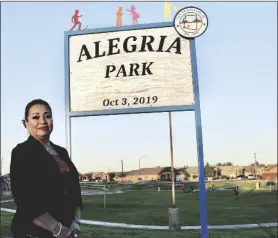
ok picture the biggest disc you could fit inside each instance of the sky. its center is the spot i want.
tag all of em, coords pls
(237, 66)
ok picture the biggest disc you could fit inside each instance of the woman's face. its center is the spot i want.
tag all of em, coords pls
(40, 122)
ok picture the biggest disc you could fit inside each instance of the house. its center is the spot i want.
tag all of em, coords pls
(259, 170)
(100, 176)
(82, 177)
(149, 174)
(180, 177)
(270, 173)
(119, 176)
(193, 172)
(252, 170)
(230, 171)
(95, 176)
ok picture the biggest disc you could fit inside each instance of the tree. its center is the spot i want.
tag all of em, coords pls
(185, 173)
(257, 164)
(209, 171)
(111, 175)
(122, 175)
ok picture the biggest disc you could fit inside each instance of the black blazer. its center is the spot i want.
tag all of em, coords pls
(38, 186)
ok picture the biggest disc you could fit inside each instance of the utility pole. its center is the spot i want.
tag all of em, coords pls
(1, 163)
(255, 165)
(172, 161)
(140, 164)
(1, 185)
(122, 171)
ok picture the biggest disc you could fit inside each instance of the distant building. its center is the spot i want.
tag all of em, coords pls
(231, 171)
(82, 177)
(149, 174)
(192, 171)
(95, 176)
(270, 173)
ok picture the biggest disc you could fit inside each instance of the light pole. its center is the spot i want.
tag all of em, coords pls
(255, 172)
(122, 171)
(139, 163)
(172, 160)
(1, 185)
(1, 163)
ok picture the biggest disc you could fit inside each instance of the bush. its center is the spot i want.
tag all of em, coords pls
(225, 177)
(268, 183)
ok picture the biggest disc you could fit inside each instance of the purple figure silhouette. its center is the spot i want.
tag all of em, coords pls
(135, 15)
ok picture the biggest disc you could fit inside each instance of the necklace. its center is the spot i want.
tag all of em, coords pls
(47, 146)
(50, 149)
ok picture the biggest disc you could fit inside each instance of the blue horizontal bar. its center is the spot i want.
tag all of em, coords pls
(119, 28)
(132, 111)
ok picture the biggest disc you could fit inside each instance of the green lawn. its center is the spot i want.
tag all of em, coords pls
(106, 232)
(151, 208)
(243, 184)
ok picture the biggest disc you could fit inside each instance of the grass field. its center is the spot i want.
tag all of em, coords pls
(243, 184)
(149, 207)
(106, 232)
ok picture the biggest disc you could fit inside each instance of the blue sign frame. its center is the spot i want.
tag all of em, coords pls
(196, 107)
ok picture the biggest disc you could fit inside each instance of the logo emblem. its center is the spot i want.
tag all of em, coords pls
(190, 22)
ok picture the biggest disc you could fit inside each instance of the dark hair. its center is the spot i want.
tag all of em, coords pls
(33, 103)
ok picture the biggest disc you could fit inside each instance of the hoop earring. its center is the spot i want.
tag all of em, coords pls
(23, 122)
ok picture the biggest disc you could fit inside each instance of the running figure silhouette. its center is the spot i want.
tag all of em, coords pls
(75, 20)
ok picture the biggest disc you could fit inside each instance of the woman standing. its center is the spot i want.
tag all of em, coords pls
(44, 181)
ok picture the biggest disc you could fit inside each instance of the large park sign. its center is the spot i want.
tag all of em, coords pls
(140, 68)
(135, 69)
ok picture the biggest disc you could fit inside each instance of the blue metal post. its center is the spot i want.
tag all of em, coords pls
(67, 95)
(198, 124)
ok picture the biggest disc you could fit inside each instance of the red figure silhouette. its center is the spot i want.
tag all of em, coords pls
(135, 15)
(75, 20)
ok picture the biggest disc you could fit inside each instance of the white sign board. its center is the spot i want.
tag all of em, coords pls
(129, 69)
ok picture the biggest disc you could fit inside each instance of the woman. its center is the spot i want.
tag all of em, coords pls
(44, 181)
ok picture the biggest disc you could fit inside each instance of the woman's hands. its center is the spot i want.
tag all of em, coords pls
(74, 229)
(64, 232)
(61, 231)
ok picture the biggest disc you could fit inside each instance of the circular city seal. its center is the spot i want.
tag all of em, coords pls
(190, 22)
